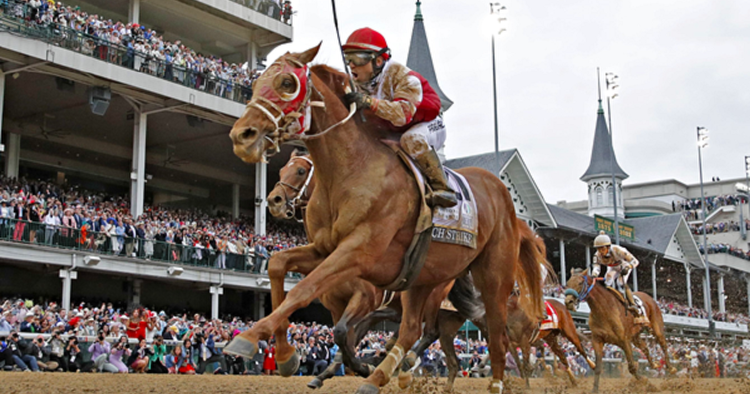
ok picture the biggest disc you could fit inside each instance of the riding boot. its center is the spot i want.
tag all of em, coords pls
(442, 195)
(631, 302)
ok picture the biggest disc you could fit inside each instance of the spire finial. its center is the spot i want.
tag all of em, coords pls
(599, 86)
(418, 15)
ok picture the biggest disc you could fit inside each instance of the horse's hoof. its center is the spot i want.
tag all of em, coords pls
(289, 367)
(368, 388)
(672, 371)
(370, 369)
(496, 387)
(240, 346)
(315, 383)
(404, 380)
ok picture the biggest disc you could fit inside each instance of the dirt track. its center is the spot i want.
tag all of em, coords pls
(49, 383)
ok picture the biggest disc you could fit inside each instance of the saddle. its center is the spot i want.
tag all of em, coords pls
(641, 317)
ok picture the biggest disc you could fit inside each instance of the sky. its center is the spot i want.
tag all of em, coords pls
(681, 64)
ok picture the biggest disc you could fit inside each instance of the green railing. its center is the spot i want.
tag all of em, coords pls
(12, 20)
(89, 241)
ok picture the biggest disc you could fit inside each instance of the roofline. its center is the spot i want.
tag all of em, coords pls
(695, 245)
(587, 178)
(533, 183)
(649, 183)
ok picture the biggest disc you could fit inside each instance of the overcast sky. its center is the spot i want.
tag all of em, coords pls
(681, 63)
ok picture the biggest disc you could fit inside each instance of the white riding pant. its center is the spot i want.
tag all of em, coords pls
(420, 137)
(614, 276)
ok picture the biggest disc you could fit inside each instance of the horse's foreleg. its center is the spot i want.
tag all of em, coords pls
(659, 335)
(641, 344)
(449, 324)
(345, 335)
(598, 346)
(570, 332)
(555, 347)
(627, 348)
(340, 266)
(413, 302)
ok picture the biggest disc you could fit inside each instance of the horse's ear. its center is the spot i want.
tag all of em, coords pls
(585, 272)
(308, 55)
(572, 271)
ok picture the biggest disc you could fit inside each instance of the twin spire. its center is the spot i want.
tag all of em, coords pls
(420, 59)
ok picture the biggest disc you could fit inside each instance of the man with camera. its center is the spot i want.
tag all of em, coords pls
(19, 349)
(100, 354)
(207, 352)
(57, 350)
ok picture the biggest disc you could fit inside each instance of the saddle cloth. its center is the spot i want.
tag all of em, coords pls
(459, 224)
(551, 323)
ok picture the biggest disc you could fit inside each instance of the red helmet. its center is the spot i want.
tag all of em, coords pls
(366, 39)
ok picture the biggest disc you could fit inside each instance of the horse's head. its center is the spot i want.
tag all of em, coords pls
(293, 187)
(281, 98)
(577, 288)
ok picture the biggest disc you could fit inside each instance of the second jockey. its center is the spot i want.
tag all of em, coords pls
(619, 264)
(405, 100)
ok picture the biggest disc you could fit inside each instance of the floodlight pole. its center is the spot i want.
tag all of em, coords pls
(711, 324)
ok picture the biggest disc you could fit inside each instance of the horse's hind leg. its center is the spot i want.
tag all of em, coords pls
(658, 330)
(643, 346)
(494, 275)
(627, 348)
(449, 325)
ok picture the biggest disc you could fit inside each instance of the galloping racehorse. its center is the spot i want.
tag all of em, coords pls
(353, 305)
(610, 322)
(521, 330)
(363, 214)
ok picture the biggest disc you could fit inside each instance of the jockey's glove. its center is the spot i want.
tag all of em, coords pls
(363, 101)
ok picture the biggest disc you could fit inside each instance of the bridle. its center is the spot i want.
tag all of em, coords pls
(585, 292)
(295, 109)
(299, 192)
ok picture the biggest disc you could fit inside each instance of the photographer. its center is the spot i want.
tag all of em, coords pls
(156, 364)
(207, 353)
(18, 348)
(57, 351)
(120, 350)
(100, 354)
(74, 359)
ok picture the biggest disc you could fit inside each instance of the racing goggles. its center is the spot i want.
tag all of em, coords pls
(358, 59)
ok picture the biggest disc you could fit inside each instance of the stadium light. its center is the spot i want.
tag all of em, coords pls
(498, 11)
(175, 271)
(91, 260)
(612, 84)
(702, 137)
(747, 165)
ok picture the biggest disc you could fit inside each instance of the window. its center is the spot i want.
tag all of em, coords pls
(599, 196)
(610, 197)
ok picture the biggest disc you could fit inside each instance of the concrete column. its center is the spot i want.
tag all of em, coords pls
(261, 170)
(720, 289)
(135, 293)
(259, 306)
(67, 276)
(588, 258)
(653, 280)
(2, 104)
(216, 291)
(134, 11)
(235, 201)
(138, 170)
(252, 55)
(705, 294)
(689, 287)
(563, 268)
(12, 155)
(635, 279)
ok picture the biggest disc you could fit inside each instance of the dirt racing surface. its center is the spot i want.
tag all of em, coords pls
(49, 383)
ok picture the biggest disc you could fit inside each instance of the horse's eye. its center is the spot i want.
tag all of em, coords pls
(287, 84)
(301, 171)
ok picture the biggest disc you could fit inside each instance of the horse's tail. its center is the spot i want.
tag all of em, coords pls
(466, 299)
(532, 260)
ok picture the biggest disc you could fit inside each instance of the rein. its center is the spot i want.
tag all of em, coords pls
(586, 291)
(296, 201)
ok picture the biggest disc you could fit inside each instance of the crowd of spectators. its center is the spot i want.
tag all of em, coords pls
(720, 227)
(725, 248)
(140, 48)
(692, 208)
(675, 308)
(273, 8)
(45, 213)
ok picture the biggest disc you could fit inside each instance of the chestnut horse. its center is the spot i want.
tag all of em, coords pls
(610, 322)
(362, 217)
(351, 304)
(521, 330)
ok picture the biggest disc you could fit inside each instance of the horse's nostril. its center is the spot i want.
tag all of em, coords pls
(289, 214)
(277, 199)
(247, 134)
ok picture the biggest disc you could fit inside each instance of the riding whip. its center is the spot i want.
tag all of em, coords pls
(346, 66)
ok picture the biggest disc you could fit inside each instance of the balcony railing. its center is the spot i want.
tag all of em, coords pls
(13, 20)
(88, 241)
(269, 8)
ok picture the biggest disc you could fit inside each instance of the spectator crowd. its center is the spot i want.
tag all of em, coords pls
(692, 208)
(137, 47)
(720, 227)
(725, 248)
(45, 213)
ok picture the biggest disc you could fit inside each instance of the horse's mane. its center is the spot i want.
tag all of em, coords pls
(334, 79)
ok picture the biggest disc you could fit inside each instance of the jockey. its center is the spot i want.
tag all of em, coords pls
(619, 264)
(405, 100)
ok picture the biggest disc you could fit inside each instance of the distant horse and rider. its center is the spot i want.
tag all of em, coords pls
(365, 211)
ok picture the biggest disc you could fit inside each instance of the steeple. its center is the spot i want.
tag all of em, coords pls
(420, 59)
(601, 154)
